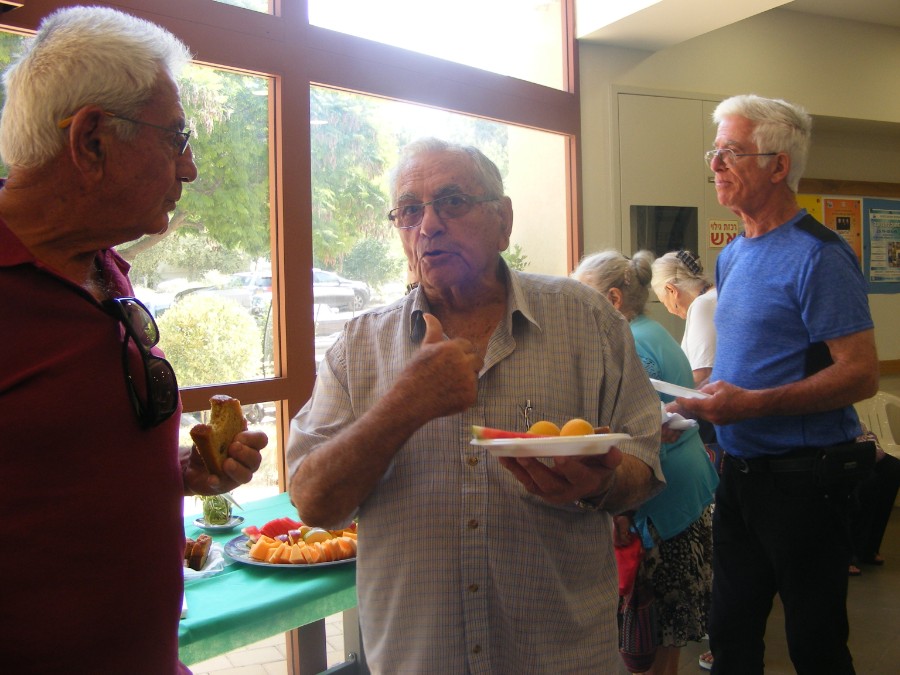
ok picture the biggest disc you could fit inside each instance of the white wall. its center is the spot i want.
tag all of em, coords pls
(834, 68)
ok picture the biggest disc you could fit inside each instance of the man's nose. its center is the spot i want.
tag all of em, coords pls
(187, 170)
(432, 223)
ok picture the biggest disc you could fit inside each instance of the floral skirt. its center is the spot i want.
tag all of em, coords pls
(680, 572)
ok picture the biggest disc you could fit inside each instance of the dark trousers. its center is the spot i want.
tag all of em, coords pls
(779, 533)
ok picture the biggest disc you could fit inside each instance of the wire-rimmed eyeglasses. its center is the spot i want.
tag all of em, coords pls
(730, 157)
(408, 216)
(180, 139)
(161, 396)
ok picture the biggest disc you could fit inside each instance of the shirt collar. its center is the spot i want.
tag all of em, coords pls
(516, 303)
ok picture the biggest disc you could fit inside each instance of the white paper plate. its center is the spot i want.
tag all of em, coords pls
(551, 446)
(676, 390)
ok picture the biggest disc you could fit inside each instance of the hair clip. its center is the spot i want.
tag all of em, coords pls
(692, 263)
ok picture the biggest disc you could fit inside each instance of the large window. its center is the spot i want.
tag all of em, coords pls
(283, 237)
(520, 38)
(355, 139)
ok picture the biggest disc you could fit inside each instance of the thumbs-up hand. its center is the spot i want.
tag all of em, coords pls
(442, 378)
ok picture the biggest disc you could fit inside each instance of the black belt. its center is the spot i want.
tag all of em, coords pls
(773, 464)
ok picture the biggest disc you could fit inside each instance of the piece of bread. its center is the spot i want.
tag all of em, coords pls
(200, 552)
(226, 421)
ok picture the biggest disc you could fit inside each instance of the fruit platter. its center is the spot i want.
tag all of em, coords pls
(546, 439)
(284, 542)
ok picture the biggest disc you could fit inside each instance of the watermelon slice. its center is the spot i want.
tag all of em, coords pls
(251, 532)
(279, 526)
(487, 433)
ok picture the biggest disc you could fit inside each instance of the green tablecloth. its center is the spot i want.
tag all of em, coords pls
(246, 603)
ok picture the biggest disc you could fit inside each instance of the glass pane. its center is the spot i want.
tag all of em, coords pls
(519, 38)
(264, 6)
(356, 140)
(664, 228)
(208, 280)
(9, 46)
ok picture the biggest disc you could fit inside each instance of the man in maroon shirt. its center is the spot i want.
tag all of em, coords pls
(90, 470)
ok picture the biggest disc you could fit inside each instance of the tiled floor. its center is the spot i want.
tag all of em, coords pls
(267, 657)
(873, 602)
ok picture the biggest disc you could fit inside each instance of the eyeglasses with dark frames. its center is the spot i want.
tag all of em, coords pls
(161, 396)
(180, 139)
(408, 216)
(730, 157)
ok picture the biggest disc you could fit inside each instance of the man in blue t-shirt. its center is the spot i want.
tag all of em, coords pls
(795, 350)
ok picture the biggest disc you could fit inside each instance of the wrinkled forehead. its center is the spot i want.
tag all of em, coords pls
(434, 174)
(735, 130)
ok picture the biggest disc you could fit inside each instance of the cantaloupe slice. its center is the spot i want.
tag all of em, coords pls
(297, 554)
(277, 553)
(347, 549)
(260, 550)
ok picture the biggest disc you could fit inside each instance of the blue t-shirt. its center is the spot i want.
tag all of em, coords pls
(691, 478)
(781, 295)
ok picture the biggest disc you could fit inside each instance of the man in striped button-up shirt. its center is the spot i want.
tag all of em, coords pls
(468, 562)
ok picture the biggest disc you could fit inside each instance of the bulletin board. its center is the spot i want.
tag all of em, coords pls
(869, 224)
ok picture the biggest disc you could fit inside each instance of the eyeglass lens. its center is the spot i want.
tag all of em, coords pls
(450, 206)
(161, 385)
(141, 322)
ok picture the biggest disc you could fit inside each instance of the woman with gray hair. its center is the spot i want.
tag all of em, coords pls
(676, 524)
(682, 287)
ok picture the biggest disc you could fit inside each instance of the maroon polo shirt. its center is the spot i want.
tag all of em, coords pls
(91, 557)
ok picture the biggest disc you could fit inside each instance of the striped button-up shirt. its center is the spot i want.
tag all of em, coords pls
(459, 569)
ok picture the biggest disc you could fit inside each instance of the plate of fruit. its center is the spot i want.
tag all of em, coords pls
(546, 439)
(285, 542)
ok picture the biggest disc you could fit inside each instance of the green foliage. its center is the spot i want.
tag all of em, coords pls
(209, 340)
(349, 202)
(371, 260)
(192, 254)
(229, 201)
(515, 258)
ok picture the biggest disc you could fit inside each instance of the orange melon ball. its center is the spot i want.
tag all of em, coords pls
(577, 427)
(544, 428)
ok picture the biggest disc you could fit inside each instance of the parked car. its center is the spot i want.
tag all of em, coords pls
(326, 285)
(241, 288)
(156, 301)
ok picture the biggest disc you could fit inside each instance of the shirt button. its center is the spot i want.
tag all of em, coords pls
(472, 461)
(473, 524)
(476, 649)
(473, 588)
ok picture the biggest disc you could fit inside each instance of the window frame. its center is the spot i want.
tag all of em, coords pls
(296, 55)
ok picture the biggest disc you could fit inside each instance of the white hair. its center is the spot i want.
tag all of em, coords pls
(81, 56)
(778, 126)
(486, 172)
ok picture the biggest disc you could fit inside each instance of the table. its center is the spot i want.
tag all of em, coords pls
(246, 603)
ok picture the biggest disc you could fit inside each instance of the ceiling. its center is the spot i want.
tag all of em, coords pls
(669, 22)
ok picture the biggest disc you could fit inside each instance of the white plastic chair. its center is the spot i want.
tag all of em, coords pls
(881, 415)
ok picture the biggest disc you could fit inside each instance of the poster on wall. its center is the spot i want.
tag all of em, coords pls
(813, 206)
(844, 216)
(722, 231)
(882, 243)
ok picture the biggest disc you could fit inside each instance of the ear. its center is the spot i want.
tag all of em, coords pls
(88, 141)
(781, 167)
(614, 295)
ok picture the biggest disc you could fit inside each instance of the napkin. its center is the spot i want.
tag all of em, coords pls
(215, 563)
(676, 421)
